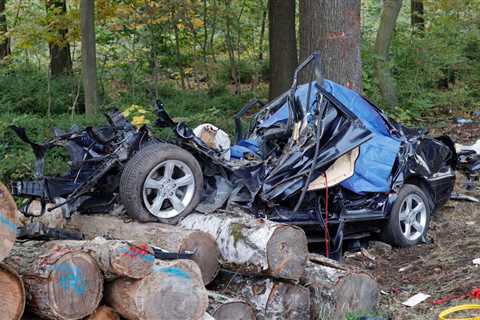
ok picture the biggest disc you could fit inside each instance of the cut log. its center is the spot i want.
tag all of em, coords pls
(115, 257)
(170, 238)
(8, 227)
(271, 299)
(337, 290)
(60, 283)
(252, 246)
(222, 307)
(104, 313)
(174, 290)
(12, 294)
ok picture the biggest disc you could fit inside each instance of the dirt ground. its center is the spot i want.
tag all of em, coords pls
(442, 268)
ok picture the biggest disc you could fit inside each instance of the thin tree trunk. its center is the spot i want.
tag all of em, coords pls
(230, 46)
(417, 15)
(59, 47)
(283, 45)
(89, 55)
(178, 54)
(4, 41)
(386, 29)
(262, 34)
(332, 27)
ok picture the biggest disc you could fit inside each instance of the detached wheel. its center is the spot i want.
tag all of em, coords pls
(162, 182)
(410, 217)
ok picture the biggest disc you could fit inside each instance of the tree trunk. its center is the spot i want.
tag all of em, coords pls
(386, 82)
(283, 45)
(417, 15)
(60, 283)
(4, 40)
(337, 290)
(12, 294)
(89, 55)
(250, 245)
(271, 299)
(115, 257)
(262, 34)
(8, 227)
(332, 27)
(222, 307)
(104, 313)
(174, 290)
(59, 47)
(167, 237)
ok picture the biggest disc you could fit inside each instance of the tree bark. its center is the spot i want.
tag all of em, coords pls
(8, 227)
(60, 283)
(104, 313)
(222, 307)
(115, 257)
(174, 290)
(89, 55)
(337, 290)
(59, 47)
(4, 39)
(250, 245)
(262, 34)
(332, 27)
(12, 294)
(417, 16)
(167, 237)
(270, 298)
(386, 29)
(283, 45)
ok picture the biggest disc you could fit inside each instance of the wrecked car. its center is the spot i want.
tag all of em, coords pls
(320, 156)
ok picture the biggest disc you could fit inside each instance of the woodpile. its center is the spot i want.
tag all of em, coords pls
(266, 272)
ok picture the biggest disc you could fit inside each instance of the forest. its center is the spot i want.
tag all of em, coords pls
(63, 62)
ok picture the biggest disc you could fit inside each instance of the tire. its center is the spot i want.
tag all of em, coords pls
(152, 162)
(395, 230)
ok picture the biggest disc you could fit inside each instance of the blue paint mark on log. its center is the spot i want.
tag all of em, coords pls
(174, 272)
(7, 223)
(71, 278)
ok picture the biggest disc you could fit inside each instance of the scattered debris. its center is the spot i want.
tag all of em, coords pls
(476, 261)
(416, 299)
(463, 197)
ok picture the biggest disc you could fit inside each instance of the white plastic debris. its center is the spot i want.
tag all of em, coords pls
(476, 261)
(214, 138)
(416, 299)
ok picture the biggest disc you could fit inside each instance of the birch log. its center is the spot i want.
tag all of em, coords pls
(222, 307)
(271, 299)
(337, 290)
(133, 259)
(12, 294)
(174, 290)
(8, 228)
(104, 313)
(61, 284)
(253, 246)
(171, 238)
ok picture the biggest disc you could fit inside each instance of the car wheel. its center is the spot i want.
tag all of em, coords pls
(409, 218)
(162, 182)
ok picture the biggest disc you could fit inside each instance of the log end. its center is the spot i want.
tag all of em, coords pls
(356, 292)
(104, 313)
(287, 252)
(132, 259)
(12, 294)
(236, 310)
(288, 301)
(206, 255)
(75, 286)
(8, 227)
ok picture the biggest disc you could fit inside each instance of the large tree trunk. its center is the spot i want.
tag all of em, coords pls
(115, 257)
(8, 227)
(174, 290)
(89, 55)
(12, 294)
(250, 245)
(385, 80)
(332, 27)
(167, 237)
(60, 283)
(283, 45)
(337, 290)
(4, 40)
(222, 307)
(417, 15)
(270, 298)
(59, 47)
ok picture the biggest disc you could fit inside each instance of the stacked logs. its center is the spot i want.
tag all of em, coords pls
(253, 269)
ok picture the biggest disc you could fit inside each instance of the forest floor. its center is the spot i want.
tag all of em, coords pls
(442, 268)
